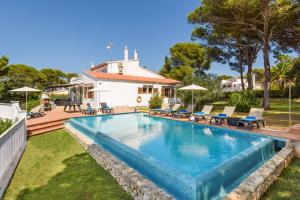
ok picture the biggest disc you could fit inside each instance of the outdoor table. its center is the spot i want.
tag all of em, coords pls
(72, 105)
(232, 121)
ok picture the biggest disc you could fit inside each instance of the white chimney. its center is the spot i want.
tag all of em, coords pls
(135, 55)
(125, 54)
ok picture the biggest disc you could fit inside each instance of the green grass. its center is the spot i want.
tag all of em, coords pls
(277, 116)
(54, 166)
(288, 184)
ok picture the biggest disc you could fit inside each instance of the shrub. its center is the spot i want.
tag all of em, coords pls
(59, 96)
(243, 101)
(4, 125)
(30, 104)
(156, 101)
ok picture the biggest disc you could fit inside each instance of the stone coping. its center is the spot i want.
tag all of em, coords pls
(130, 180)
(257, 183)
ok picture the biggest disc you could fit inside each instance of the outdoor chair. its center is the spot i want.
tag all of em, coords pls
(255, 116)
(206, 112)
(156, 111)
(184, 113)
(88, 110)
(170, 111)
(36, 112)
(220, 118)
(105, 109)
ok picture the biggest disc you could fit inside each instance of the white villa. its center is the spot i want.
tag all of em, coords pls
(235, 84)
(121, 83)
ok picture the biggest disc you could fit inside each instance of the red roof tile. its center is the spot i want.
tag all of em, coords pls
(121, 77)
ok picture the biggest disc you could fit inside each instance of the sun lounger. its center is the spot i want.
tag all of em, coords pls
(206, 110)
(88, 110)
(105, 109)
(184, 113)
(255, 116)
(156, 111)
(36, 112)
(220, 118)
(171, 111)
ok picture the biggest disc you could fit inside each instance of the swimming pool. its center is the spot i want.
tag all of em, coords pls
(189, 161)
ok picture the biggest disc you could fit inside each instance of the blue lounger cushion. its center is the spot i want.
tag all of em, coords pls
(249, 118)
(199, 113)
(221, 115)
(156, 109)
(182, 111)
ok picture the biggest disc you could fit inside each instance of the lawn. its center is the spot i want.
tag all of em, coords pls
(277, 116)
(288, 184)
(54, 166)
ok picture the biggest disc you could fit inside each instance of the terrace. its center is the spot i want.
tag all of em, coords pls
(55, 166)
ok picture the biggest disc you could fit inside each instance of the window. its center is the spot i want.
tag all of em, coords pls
(150, 89)
(155, 90)
(167, 92)
(88, 94)
(146, 89)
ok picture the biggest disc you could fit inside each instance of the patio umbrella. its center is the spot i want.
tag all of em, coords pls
(26, 90)
(99, 90)
(192, 88)
(45, 96)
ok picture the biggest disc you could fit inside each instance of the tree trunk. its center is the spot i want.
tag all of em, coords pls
(267, 67)
(267, 73)
(249, 77)
(242, 80)
(241, 70)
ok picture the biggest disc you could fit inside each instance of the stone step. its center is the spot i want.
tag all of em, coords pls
(42, 122)
(45, 125)
(44, 130)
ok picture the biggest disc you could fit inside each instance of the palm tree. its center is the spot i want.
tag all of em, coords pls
(280, 71)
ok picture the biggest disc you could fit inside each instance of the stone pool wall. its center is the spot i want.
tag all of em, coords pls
(135, 184)
(257, 183)
(140, 188)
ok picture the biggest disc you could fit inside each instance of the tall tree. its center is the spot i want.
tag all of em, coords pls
(280, 72)
(166, 68)
(231, 43)
(68, 76)
(274, 22)
(186, 59)
(54, 76)
(3, 63)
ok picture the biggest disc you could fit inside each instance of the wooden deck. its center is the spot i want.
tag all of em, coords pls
(52, 120)
(56, 118)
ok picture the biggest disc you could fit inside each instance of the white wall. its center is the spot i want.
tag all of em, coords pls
(123, 94)
(11, 111)
(84, 79)
(131, 67)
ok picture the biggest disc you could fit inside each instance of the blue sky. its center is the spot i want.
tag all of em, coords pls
(70, 34)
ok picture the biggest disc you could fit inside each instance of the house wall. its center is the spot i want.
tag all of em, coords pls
(125, 93)
(83, 79)
(117, 93)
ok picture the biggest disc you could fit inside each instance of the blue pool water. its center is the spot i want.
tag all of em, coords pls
(190, 161)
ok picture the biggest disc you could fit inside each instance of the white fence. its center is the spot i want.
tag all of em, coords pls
(11, 111)
(12, 145)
